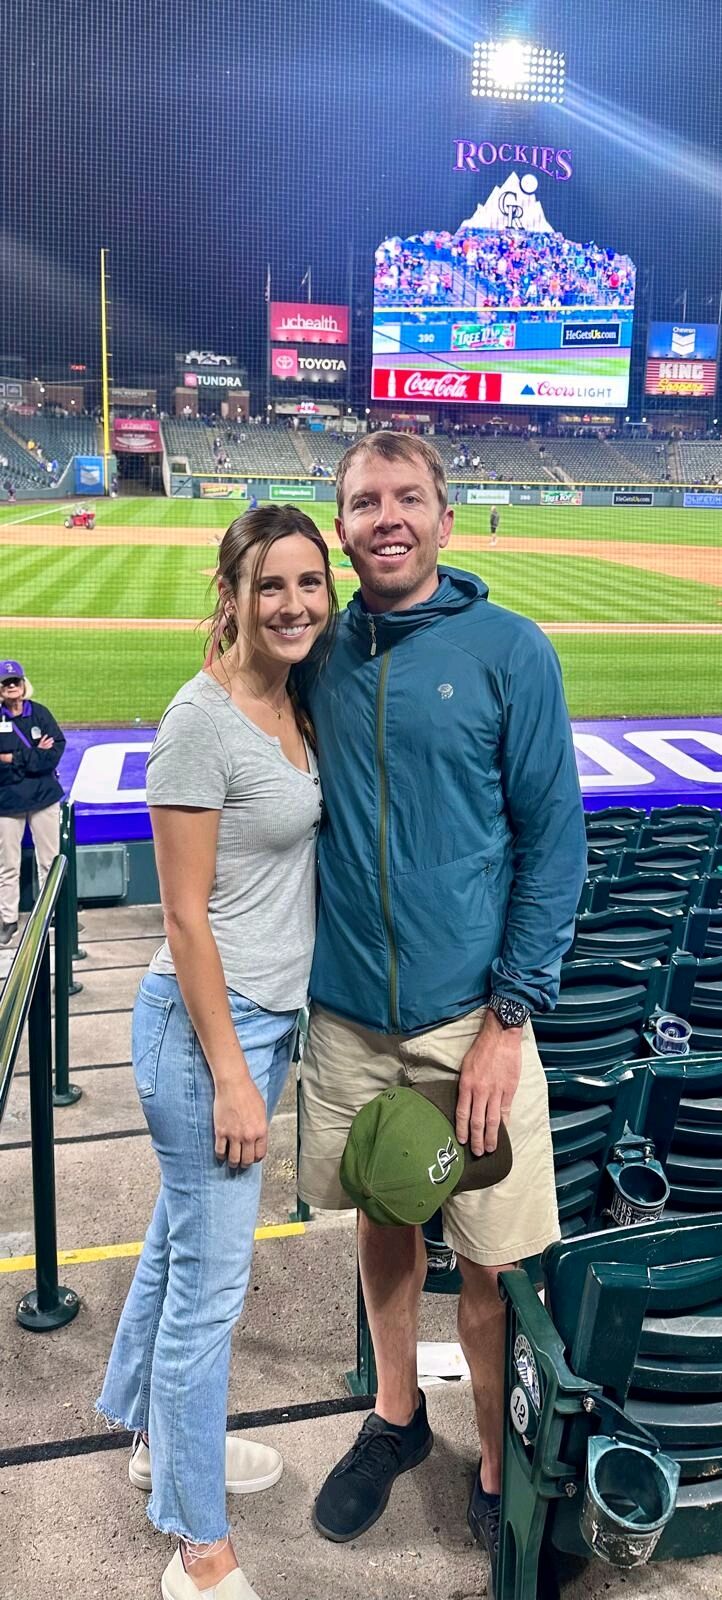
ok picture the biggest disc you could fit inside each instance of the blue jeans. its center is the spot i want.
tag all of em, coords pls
(168, 1369)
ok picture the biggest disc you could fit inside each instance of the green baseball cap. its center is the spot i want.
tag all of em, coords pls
(402, 1158)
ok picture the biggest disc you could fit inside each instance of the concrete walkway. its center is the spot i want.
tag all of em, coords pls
(72, 1524)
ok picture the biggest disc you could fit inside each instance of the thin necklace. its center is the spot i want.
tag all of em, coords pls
(262, 698)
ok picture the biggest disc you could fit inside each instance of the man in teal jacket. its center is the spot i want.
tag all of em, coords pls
(451, 864)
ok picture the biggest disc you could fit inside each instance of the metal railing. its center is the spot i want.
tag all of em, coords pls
(27, 997)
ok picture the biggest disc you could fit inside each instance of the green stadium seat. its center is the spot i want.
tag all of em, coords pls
(703, 835)
(600, 1014)
(693, 990)
(682, 816)
(682, 1114)
(588, 1112)
(612, 836)
(635, 933)
(620, 1369)
(685, 859)
(603, 863)
(703, 933)
(618, 816)
(663, 891)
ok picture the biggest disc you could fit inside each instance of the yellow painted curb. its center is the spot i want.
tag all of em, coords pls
(114, 1252)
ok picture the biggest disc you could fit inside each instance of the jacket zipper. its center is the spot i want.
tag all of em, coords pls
(384, 838)
(372, 626)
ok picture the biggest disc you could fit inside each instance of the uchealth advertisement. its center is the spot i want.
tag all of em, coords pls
(488, 497)
(300, 322)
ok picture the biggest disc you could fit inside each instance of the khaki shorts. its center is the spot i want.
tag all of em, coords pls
(345, 1065)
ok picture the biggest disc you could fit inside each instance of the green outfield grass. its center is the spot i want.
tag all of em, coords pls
(103, 675)
(166, 582)
(625, 523)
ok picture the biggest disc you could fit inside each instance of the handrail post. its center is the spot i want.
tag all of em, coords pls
(67, 849)
(65, 1093)
(76, 953)
(48, 1305)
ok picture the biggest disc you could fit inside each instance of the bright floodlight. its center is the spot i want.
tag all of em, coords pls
(507, 69)
(509, 64)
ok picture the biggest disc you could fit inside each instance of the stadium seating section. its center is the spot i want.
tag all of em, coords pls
(21, 470)
(613, 1431)
(264, 452)
(60, 438)
(699, 462)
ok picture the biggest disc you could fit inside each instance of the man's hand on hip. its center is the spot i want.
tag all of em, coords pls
(489, 1079)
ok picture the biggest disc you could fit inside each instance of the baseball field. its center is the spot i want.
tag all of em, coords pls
(108, 624)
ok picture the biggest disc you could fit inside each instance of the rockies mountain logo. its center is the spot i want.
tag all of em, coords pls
(445, 1158)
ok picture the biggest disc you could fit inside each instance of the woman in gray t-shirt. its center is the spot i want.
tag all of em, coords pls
(235, 803)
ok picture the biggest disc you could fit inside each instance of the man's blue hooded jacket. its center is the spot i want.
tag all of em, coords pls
(453, 849)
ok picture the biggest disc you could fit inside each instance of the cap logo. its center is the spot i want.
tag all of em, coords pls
(445, 690)
(445, 1158)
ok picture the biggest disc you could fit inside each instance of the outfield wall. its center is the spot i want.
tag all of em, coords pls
(207, 486)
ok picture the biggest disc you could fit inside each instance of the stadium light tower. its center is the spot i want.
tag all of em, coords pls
(509, 69)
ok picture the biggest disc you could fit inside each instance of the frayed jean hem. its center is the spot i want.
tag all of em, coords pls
(181, 1533)
(113, 1423)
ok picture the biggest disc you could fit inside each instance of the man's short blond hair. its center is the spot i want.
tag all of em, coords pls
(394, 447)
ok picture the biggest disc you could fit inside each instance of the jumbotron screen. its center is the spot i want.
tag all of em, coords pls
(505, 311)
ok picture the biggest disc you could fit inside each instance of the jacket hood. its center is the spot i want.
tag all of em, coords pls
(456, 592)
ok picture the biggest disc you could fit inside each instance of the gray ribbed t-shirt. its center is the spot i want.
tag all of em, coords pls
(262, 908)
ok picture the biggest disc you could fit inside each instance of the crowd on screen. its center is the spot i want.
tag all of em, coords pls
(513, 270)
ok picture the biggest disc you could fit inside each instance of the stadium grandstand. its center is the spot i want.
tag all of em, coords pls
(603, 461)
(59, 437)
(698, 461)
(22, 468)
(510, 460)
(256, 451)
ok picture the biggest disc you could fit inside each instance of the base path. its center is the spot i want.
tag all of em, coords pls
(702, 563)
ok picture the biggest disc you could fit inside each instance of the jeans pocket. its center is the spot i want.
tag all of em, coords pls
(150, 1015)
(241, 1009)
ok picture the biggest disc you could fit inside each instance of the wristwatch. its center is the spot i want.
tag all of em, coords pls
(510, 1013)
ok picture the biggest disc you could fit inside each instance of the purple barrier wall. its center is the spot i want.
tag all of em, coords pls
(644, 763)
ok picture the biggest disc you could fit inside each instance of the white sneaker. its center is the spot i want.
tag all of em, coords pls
(175, 1584)
(250, 1467)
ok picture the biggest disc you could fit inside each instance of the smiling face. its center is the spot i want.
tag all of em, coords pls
(392, 528)
(282, 610)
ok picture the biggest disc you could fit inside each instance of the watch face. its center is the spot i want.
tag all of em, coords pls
(511, 1013)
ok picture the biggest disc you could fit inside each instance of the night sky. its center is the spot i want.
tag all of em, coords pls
(200, 139)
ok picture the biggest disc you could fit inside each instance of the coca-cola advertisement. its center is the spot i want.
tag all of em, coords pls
(436, 385)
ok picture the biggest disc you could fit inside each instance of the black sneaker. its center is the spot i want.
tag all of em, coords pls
(7, 931)
(356, 1491)
(483, 1519)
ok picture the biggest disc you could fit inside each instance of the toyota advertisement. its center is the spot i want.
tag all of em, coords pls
(505, 311)
(682, 358)
(308, 345)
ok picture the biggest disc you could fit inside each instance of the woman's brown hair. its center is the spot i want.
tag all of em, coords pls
(243, 551)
